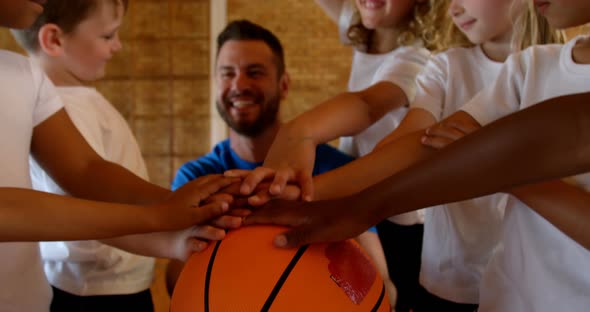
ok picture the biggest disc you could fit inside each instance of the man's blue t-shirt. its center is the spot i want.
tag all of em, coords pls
(223, 158)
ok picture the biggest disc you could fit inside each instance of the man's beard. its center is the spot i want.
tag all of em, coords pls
(267, 117)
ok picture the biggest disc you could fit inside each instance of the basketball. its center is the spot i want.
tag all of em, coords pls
(246, 272)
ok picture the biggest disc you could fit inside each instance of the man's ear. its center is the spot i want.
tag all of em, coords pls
(284, 85)
(51, 39)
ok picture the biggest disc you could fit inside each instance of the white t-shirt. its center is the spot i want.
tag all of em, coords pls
(27, 98)
(459, 238)
(88, 268)
(539, 268)
(400, 66)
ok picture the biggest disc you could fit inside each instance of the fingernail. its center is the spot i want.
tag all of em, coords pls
(255, 198)
(224, 207)
(280, 241)
(245, 190)
(275, 189)
(200, 246)
(307, 198)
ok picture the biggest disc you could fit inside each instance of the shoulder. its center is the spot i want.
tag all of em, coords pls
(8, 58)
(403, 59)
(455, 54)
(545, 50)
(412, 52)
(17, 67)
(535, 56)
(452, 59)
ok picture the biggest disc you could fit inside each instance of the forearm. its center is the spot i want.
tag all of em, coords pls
(64, 154)
(371, 168)
(563, 205)
(349, 113)
(107, 181)
(150, 244)
(28, 215)
(519, 149)
(343, 115)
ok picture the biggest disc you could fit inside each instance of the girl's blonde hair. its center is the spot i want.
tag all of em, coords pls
(427, 20)
(531, 29)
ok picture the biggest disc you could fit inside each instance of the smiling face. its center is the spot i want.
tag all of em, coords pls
(483, 20)
(89, 47)
(250, 87)
(20, 14)
(564, 13)
(384, 13)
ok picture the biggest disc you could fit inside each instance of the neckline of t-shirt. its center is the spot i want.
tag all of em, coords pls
(239, 159)
(485, 60)
(567, 57)
(76, 88)
(416, 45)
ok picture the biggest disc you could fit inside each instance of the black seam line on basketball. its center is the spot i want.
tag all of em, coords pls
(208, 276)
(380, 300)
(275, 291)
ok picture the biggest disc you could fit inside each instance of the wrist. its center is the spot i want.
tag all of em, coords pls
(298, 132)
(367, 213)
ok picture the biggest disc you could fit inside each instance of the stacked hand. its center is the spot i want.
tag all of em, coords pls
(290, 159)
(445, 133)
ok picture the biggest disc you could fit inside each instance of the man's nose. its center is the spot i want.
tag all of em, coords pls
(240, 82)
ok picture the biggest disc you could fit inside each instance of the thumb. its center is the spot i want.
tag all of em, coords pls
(306, 182)
(202, 214)
(297, 237)
(197, 245)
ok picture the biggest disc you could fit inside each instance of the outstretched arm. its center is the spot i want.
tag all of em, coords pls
(563, 205)
(293, 151)
(62, 151)
(546, 141)
(332, 8)
(28, 215)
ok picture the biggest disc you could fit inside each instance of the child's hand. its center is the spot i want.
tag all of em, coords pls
(313, 222)
(290, 159)
(445, 133)
(197, 238)
(262, 194)
(181, 244)
(188, 205)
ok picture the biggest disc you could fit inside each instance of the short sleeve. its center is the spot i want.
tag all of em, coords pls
(48, 101)
(431, 86)
(503, 96)
(402, 69)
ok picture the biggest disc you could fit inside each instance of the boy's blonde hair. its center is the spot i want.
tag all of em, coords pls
(67, 14)
(427, 20)
(530, 29)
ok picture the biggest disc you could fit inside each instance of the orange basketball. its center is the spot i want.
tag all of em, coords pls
(245, 272)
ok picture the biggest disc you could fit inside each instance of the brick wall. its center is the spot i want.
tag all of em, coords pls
(317, 62)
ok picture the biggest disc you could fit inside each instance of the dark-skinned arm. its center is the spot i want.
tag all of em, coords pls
(543, 142)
